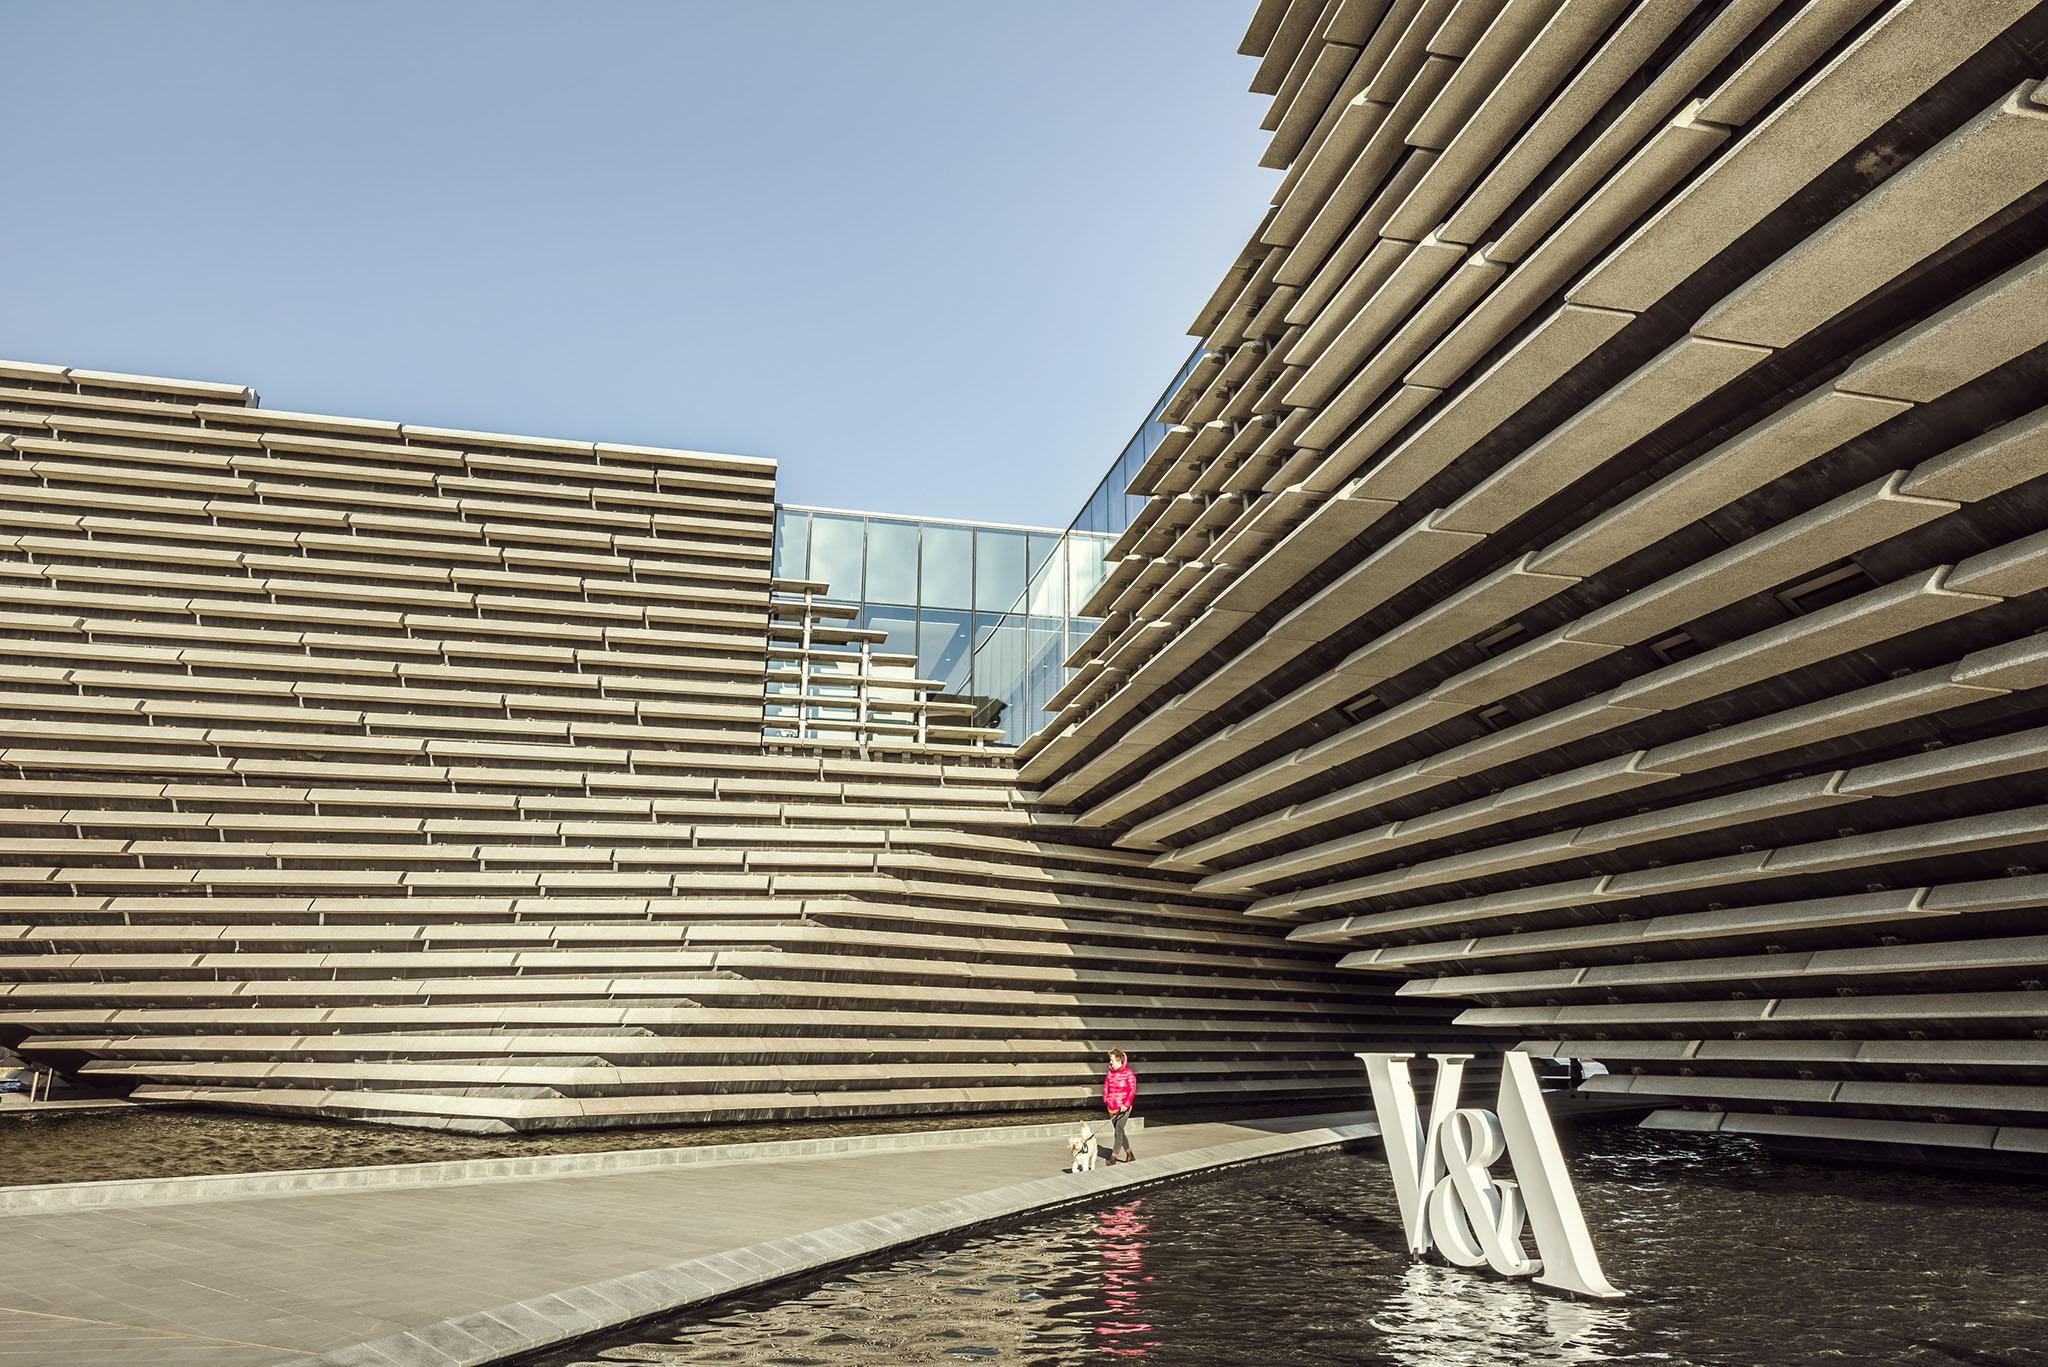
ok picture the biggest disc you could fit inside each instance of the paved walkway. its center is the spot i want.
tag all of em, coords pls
(468, 1272)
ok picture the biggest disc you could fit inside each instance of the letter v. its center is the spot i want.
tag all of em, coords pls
(1393, 1103)
(1413, 1153)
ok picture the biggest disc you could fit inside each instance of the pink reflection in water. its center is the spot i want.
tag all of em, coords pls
(1120, 1239)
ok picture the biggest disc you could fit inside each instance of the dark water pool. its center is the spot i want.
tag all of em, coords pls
(163, 1142)
(1730, 1255)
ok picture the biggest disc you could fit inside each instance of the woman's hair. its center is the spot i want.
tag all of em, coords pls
(1119, 1056)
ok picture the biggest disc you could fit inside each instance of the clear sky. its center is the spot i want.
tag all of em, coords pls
(936, 256)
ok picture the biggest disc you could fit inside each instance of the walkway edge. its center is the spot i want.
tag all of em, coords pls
(531, 1326)
(241, 1186)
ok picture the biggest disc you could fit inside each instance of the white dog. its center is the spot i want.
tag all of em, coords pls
(1082, 1147)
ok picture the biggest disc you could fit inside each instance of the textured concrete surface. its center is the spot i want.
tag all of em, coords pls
(1516, 603)
(469, 1272)
(385, 772)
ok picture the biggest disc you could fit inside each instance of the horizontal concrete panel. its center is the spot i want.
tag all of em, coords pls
(1856, 1131)
(1994, 462)
(1539, 65)
(2023, 752)
(1673, 381)
(1874, 616)
(1882, 71)
(1520, 668)
(1978, 333)
(1865, 709)
(1563, 339)
(2007, 572)
(1780, 443)
(1955, 185)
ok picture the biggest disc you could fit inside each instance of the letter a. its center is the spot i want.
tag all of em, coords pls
(1569, 1262)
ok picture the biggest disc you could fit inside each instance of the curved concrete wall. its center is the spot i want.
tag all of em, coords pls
(1595, 577)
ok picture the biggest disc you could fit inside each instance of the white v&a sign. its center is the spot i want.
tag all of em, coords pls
(1449, 1198)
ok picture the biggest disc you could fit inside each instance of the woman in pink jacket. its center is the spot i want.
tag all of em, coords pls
(1119, 1093)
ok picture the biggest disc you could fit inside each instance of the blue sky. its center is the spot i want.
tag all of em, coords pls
(936, 256)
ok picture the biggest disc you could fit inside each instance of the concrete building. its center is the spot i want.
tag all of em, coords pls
(487, 781)
(1597, 573)
(1588, 590)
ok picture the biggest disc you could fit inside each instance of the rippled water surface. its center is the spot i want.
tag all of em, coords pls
(163, 1142)
(1728, 1254)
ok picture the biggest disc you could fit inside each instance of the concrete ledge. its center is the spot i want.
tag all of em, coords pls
(158, 1191)
(531, 1326)
(31, 1110)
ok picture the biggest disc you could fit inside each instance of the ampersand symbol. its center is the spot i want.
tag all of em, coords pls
(1476, 1219)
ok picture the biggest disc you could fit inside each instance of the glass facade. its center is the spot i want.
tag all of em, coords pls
(981, 606)
(990, 611)
(1020, 657)
(1109, 509)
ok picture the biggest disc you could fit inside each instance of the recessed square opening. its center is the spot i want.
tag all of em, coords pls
(1835, 584)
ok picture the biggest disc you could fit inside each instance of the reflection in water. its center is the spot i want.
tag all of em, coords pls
(1448, 1317)
(1730, 1257)
(1121, 1236)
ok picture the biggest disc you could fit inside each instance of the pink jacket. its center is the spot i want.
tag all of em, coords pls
(1120, 1088)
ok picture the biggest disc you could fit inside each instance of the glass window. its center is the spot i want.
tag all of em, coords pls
(1179, 378)
(1038, 548)
(1000, 666)
(836, 554)
(944, 647)
(792, 543)
(900, 623)
(947, 579)
(1048, 594)
(998, 570)
(1127, 470)
(1085, 568)
(892, 562)
(1045, 673)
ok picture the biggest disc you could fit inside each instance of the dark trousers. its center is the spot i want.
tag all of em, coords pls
(1118, 1142)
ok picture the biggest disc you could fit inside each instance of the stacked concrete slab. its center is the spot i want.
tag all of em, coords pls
(429, 776)
(1597, 575)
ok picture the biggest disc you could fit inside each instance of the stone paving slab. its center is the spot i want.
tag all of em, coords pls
(469, 1272)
